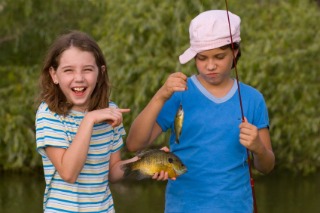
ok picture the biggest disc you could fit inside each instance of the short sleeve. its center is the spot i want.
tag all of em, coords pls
(119, 132)
(167, 114)
(261, 117)
(50, 130)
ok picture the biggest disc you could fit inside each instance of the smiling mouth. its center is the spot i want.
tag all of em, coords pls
(78, 89)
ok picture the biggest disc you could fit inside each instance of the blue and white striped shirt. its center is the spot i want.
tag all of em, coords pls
(90, 192)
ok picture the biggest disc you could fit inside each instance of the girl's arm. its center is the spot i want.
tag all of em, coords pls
(144, 128)
(69, 162)
(115, 163)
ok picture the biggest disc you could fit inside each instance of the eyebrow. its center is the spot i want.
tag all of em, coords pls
(220, 53)
(89, 65)
(71, 66)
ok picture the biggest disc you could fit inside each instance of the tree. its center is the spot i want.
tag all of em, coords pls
(142, 41)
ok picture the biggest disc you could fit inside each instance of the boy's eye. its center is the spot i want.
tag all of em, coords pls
(201, 58)
(220, 56)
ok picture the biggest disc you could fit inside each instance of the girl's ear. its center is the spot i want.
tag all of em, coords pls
(103, 68)
(53, 75)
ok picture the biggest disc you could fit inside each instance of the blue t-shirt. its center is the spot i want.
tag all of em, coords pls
(218, 178)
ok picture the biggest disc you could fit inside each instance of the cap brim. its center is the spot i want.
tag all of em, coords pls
(187, 56)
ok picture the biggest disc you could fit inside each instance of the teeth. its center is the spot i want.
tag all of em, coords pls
(78, 89)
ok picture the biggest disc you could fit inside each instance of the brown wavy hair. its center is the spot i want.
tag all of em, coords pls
(52, 94)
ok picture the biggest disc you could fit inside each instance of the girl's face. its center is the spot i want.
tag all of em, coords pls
(214, 66)
(77, 76)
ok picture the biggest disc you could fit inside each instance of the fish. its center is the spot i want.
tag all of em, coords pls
(178, 123)
(152, 161)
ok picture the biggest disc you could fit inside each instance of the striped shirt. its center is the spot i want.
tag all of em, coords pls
(90, 192)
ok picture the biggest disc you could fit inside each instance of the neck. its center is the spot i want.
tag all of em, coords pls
(217, 90)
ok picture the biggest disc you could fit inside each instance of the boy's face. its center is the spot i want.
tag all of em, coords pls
(214, 66)
(77, 76)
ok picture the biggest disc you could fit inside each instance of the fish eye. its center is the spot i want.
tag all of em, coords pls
(170, 160)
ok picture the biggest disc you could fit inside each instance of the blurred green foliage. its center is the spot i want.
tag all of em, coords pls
(142, 41)
(17, 92)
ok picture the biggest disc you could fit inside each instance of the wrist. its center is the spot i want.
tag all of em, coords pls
(260, 151)
(159, 97)
(88, 119)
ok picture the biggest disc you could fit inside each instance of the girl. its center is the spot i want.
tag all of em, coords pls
(78, 130)
(214, 139)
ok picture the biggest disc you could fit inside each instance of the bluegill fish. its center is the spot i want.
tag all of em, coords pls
(178, 123)
(153, 161)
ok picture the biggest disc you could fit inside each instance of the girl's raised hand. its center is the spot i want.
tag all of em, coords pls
(112, 116)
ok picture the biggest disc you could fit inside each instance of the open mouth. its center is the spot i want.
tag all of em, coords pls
(79, 90)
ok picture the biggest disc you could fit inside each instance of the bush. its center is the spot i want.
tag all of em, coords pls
(142, 41)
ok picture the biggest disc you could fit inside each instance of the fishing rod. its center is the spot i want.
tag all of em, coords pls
(255, 208)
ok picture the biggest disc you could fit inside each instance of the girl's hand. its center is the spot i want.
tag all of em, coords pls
(166, 149)
(175, 82)
(249, 136)
(112, 116)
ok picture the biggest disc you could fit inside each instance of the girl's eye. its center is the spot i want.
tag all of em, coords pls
(67, 70)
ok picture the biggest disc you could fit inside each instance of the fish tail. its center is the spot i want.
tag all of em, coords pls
(127, 168)
(177, 141)
(130, 172)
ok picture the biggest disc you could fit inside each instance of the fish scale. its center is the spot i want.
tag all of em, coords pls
(154, 161)
(178, 123)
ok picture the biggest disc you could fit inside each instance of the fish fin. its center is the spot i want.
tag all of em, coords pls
(145, 152)
(132, 174)
(177, 141)
(127, 169)
(135, 174)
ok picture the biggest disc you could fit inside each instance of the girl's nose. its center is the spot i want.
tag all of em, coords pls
(78, 76)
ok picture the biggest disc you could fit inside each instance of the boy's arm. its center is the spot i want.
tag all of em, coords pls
(144, 128)
(259, 143)
(264, 158)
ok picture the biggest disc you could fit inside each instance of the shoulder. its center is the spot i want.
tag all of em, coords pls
(44, 112)
(43, 107)
(249, 90)
(113, 104)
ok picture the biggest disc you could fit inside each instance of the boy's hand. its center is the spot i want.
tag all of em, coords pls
(249, 136)
(175, 82)
(162, 176)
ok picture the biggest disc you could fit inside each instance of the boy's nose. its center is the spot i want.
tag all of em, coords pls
(211, 65)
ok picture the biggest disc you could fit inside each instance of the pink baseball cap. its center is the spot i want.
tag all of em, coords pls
(210, 30)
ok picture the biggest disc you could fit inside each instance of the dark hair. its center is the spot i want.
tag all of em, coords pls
(236, 46)
(52, 94)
